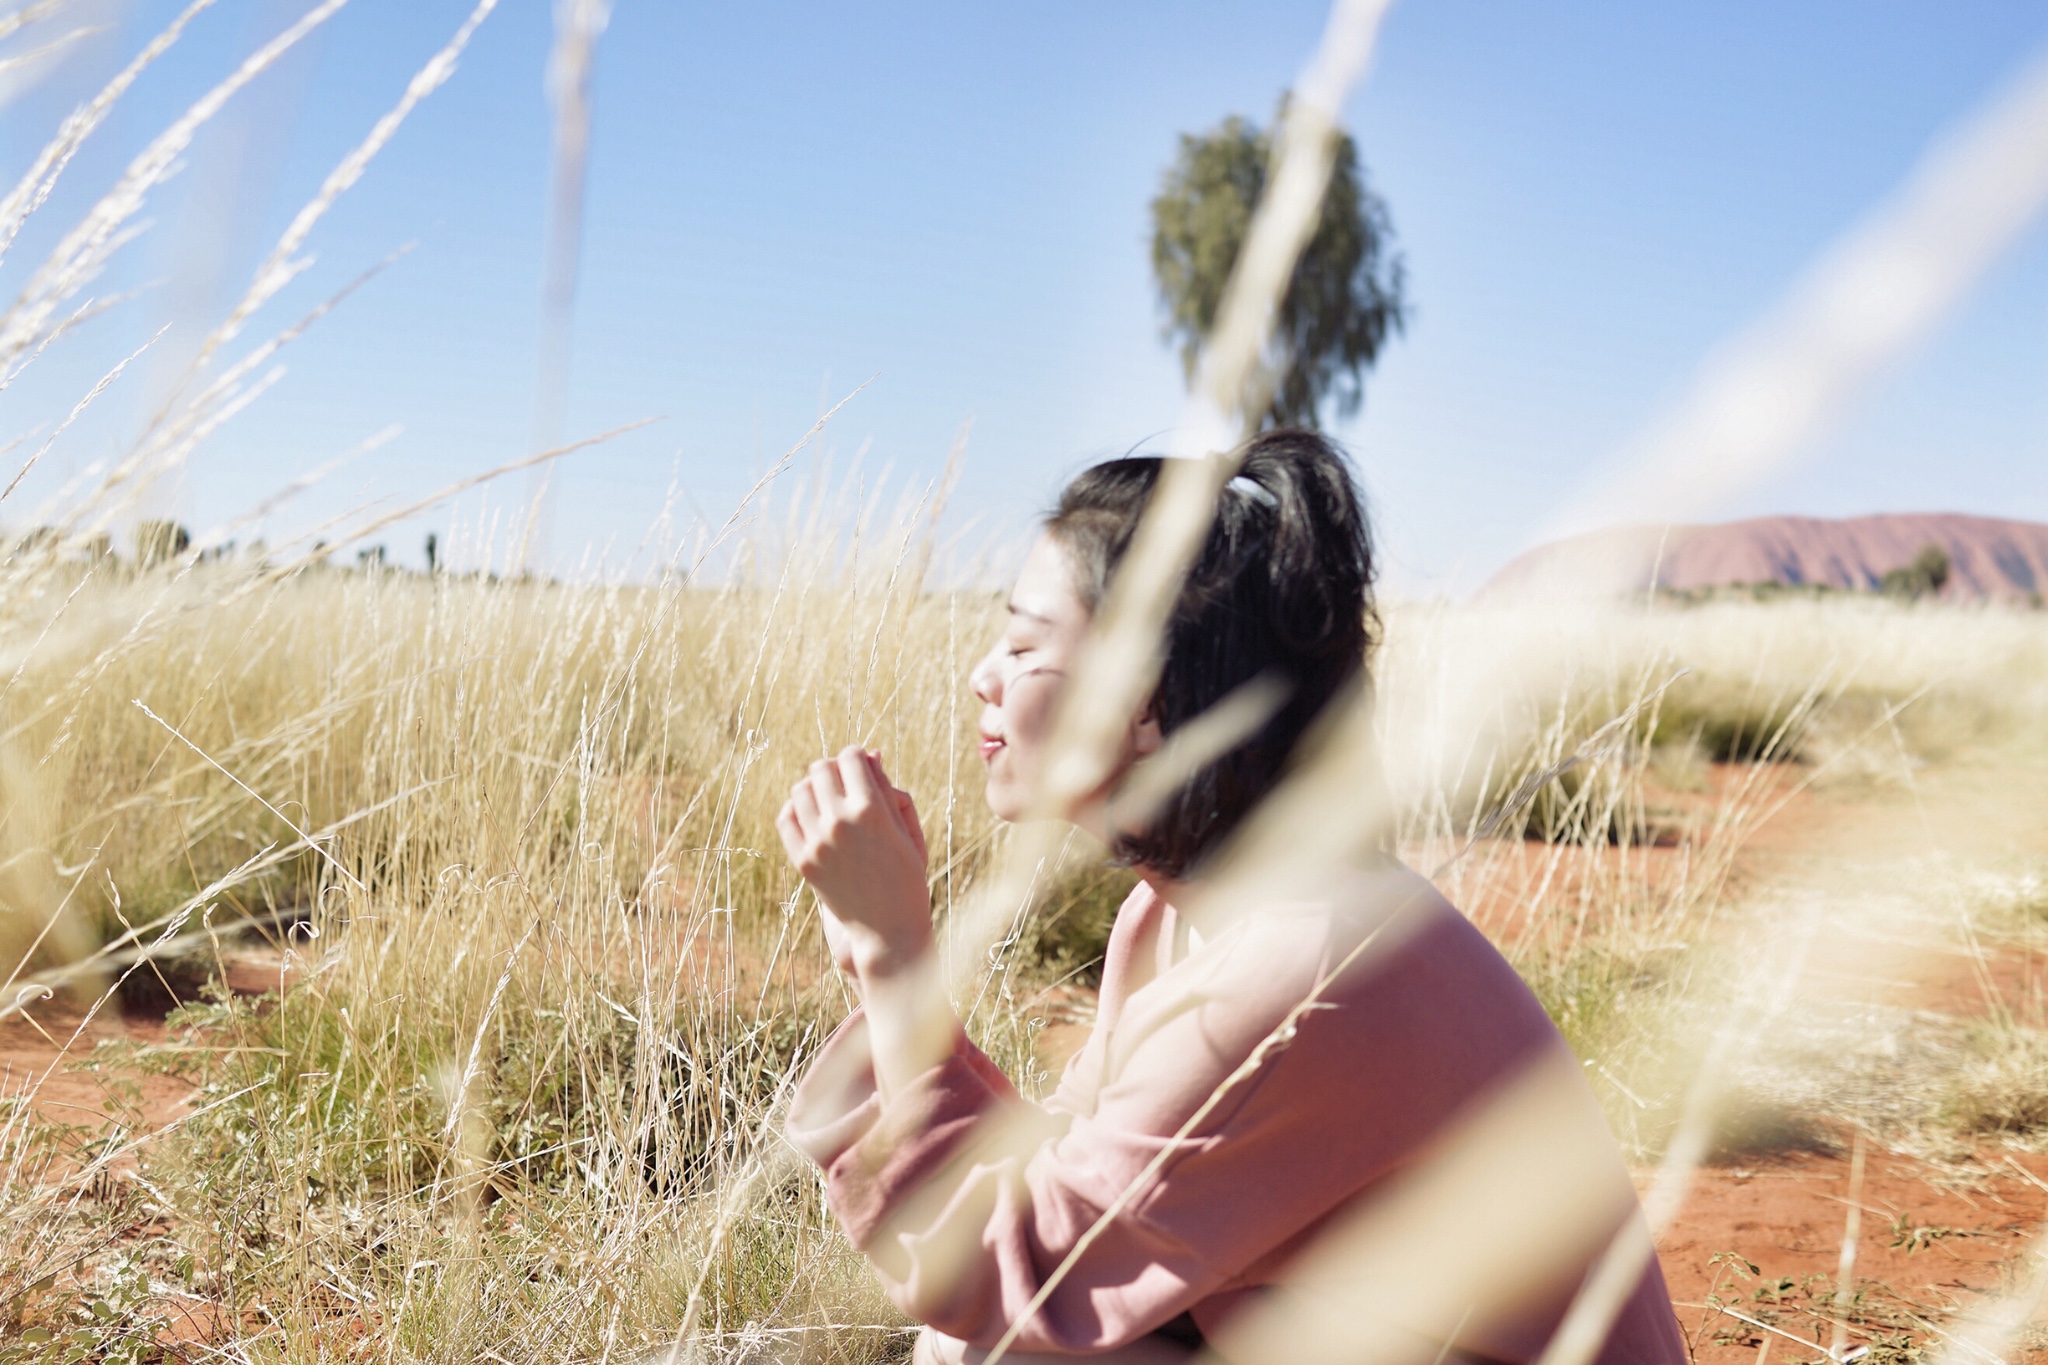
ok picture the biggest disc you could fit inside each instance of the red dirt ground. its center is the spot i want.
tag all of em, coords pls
(1934, 1236)
(42, 1047)
(36, 1045)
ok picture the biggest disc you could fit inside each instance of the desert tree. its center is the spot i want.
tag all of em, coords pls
(1347, 293)
(1926, 576)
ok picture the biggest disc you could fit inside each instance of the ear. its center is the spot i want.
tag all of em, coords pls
(1146, 736)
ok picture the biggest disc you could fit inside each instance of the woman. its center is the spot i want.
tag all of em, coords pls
(1168, 1191)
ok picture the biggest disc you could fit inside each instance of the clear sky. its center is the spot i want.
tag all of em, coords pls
(786, 199)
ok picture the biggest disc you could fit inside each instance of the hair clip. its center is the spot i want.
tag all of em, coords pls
(1252, 489)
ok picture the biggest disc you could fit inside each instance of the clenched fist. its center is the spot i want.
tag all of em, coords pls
(855, 838)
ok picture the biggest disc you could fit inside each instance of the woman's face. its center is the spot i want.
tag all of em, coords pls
(1020, 680)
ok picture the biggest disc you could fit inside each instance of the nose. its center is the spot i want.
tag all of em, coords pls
(986, 681)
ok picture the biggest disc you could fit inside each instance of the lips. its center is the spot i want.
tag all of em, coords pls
(990, 747)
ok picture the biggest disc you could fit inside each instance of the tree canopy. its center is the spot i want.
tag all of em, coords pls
(1347, 293)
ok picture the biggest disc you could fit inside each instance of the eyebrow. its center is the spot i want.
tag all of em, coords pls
(1027, 613)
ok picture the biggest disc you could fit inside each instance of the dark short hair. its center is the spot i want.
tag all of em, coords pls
(1283, 587)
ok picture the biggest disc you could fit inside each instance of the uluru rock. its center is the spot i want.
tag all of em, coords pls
(1989, 558)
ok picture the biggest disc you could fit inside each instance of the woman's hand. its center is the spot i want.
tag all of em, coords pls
(856, 839)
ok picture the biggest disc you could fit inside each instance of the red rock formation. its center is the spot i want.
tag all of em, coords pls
(1988, 558)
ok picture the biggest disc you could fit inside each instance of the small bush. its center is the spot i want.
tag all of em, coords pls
(2002, 1087)
(1730, 725)
(1924, 577)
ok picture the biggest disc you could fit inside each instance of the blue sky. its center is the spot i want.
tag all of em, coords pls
(787, 199)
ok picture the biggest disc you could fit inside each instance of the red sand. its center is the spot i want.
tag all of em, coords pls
(36, 1045)
(1934, 1236)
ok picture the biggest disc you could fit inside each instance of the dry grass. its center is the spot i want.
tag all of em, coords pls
(1620, 901)
(556, 973)
(554, 979)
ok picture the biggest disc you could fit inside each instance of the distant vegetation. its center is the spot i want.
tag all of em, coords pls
(1924, 577)
(161, 544)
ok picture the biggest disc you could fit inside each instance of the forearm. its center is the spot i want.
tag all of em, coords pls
(911, 1024)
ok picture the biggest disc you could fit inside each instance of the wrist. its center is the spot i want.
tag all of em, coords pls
(911, 1025)
(876, 958)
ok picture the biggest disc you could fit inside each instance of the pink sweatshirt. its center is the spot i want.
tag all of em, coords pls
(965, 1197)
